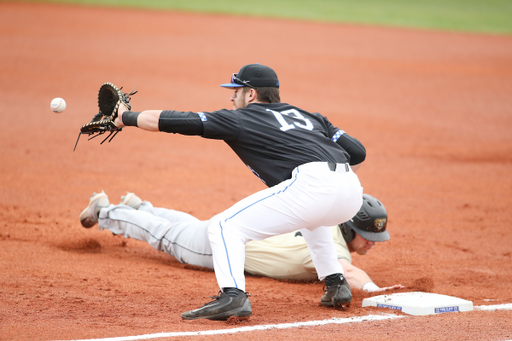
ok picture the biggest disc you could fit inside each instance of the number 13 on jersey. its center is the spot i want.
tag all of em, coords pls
(294, 115)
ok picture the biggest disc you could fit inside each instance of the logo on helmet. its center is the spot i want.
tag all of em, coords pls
(380, 223)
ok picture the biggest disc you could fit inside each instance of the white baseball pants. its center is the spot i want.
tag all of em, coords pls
(314, 199)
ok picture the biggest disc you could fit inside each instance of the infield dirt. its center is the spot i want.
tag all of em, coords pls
(433, 109)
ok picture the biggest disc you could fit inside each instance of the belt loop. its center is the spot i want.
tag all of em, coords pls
(347, 167)
(332, 166)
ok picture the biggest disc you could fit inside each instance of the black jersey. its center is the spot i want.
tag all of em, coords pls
(273, 139)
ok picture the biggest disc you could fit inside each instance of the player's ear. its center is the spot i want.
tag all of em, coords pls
(253, 95)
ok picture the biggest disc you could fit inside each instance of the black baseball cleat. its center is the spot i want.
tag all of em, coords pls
(222, 307)
(338, 293)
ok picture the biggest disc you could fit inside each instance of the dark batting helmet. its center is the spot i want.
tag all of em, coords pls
(370, 222)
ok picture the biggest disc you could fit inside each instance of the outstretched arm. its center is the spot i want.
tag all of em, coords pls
(357, 278)
(147, 120)
(167, 121)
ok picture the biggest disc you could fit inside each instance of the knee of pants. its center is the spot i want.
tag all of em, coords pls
(217, 229)
(213, 228)
(221, 229)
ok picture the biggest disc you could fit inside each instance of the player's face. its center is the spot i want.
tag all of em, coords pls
(360, 245)
(239, 98)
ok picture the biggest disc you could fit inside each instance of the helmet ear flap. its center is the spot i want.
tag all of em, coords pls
(347, 232)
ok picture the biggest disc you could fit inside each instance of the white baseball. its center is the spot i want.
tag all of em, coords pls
(58, 105)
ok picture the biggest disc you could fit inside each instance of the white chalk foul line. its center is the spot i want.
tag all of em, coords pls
(253, 328)
(494, 307)
(282, 325)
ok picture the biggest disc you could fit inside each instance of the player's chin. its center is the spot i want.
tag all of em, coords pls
(362, 251)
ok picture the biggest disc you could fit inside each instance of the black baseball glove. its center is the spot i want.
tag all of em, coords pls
(110, 98)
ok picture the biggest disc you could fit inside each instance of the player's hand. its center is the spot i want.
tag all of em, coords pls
(393, 287)
(119, 119)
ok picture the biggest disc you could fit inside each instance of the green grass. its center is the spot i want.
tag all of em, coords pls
(484, 16)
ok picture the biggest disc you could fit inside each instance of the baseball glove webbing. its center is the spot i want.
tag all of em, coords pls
(110, 98)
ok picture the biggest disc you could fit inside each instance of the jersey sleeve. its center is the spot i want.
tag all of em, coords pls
(353, 147)
(350, 144)
(221, 125)
(180, 122)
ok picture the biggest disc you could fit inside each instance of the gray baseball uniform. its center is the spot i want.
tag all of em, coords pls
(185, 237)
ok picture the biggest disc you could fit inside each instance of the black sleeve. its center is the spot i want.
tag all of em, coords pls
(353, 147)
(180, 122)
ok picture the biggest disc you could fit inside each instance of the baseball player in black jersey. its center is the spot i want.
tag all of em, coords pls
(307, 163)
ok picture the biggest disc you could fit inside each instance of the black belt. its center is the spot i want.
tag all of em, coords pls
(333, 166)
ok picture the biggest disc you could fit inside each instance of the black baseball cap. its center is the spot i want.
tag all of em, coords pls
(254, 76)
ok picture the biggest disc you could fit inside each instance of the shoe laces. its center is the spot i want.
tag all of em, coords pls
(214, 299)
(217, 297)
